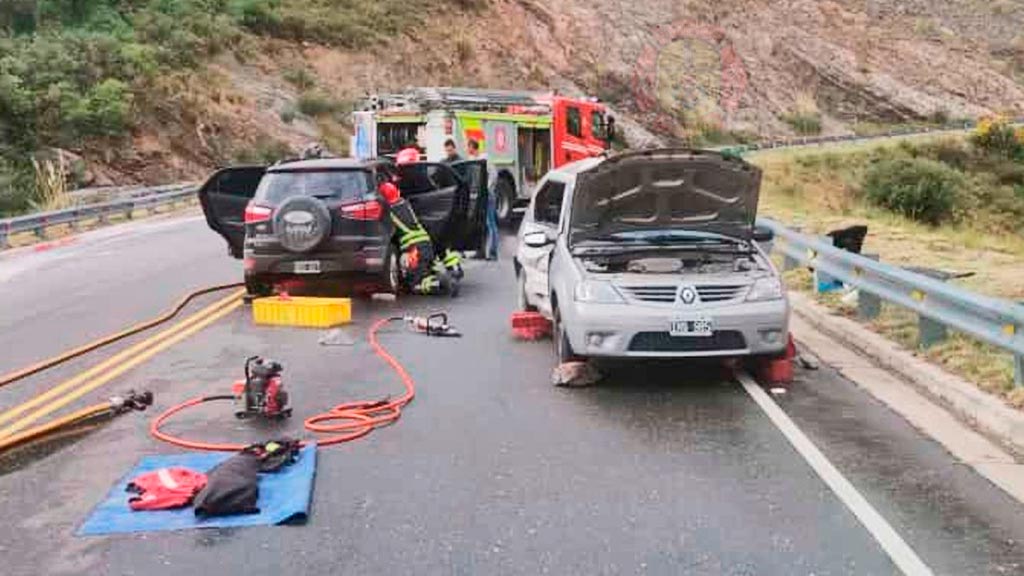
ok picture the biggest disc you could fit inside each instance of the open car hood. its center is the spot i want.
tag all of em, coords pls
(666, 189)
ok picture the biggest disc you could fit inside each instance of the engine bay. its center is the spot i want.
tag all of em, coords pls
(681, 262)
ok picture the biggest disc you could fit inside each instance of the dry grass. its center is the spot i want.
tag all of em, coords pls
(51, 184)
(816, 190)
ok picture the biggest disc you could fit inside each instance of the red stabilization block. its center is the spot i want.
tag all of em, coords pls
(530, 325)
(779, 371)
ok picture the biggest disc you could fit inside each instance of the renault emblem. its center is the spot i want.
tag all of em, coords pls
(688, 295)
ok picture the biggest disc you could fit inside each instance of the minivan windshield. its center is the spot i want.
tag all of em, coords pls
(341, 184)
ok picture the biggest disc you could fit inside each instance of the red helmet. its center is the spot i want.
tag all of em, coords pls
(407, 156)
(390, 192)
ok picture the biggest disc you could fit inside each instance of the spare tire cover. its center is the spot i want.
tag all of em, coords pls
(302, 223)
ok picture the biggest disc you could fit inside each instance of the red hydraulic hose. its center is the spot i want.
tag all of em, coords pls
(343, 423)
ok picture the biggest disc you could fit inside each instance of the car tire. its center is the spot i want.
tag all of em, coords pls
(391, 278)
(522, 303)
(563, 348)
(257, 288)
(506, 199)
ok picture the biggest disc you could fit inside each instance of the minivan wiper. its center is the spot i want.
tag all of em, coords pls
(589, 247)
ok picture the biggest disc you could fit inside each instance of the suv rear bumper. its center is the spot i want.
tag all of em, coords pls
(369, 260)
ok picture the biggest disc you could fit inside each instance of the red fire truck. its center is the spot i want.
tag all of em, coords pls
(523, 134)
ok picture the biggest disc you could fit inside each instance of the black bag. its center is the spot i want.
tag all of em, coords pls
(232, 487)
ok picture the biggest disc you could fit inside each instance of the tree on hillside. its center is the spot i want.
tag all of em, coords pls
(19, 16)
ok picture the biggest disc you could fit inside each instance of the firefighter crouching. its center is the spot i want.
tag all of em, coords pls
(425, 272)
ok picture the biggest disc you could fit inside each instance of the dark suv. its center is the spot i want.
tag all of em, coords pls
(323, 219)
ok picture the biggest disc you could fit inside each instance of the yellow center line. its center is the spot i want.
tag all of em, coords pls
(120, 369)
(114, 360)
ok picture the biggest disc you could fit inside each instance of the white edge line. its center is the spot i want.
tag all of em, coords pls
(898, 550)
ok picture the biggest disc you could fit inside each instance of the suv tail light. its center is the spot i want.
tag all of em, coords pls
(255, 213)
(369, 210)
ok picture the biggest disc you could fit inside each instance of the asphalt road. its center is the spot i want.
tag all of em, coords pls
(662, 469)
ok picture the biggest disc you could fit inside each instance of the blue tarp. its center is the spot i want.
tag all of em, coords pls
(285, 497)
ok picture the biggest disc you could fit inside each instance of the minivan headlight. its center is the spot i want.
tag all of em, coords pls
(768, 288)
(597, 292)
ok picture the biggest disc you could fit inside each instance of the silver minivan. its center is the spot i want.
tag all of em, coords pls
(652, 254)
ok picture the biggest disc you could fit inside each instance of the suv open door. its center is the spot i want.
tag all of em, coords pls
(224, 197)
(440, 198)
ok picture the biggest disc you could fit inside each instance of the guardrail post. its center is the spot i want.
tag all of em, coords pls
(930, 332)
(869, 306)
(3, 237)
(788, 262)
(1018, 370)
(822, 281)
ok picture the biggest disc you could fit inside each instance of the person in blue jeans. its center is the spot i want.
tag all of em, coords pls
(491, 238)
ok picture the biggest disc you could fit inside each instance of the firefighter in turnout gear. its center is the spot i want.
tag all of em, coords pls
(425, 273)
(452, 263)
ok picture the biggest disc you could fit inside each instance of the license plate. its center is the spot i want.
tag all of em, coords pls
(695, 326)
(307, 267)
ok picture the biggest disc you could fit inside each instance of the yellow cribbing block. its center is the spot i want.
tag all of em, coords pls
(302, 311)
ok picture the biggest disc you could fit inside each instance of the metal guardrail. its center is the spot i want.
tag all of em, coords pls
(996, 321)
(818, 140)
(38, 223)
(111, 193)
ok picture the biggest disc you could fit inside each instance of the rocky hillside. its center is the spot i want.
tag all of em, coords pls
(267, 75)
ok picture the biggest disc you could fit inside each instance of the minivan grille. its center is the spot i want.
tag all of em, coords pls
(651, 293)
(718, 292)
(668, 294)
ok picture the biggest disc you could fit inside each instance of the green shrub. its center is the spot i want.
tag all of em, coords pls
(988, 205)
(804, 123)
(16, 187)
(288, 115)
(1009, 173)
(301, 78)
(348, 23)
(998, 137)
(103, 112)
(316, 104)
(949, 151)
(920, 189)
(264, 152)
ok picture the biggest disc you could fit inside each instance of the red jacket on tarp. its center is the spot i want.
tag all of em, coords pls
(165, 488)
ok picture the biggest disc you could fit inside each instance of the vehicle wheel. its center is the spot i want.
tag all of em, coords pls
(522, 303)
(563, 348)
(506, 197)
(391, 279)
(257, 288)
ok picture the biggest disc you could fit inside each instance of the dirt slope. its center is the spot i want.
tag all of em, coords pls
(742, 66)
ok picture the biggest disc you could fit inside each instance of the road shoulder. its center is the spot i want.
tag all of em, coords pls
(909, 387)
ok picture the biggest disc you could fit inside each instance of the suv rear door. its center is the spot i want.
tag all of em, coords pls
(224, 197)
